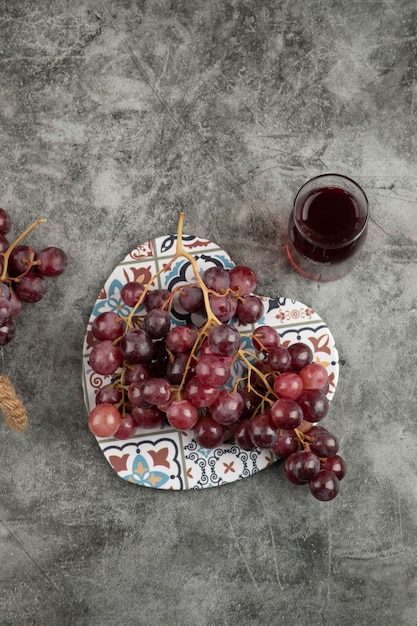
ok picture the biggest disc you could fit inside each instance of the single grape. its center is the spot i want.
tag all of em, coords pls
(127, 428)
(286, 414)
(182, 415)
(217, 279)
(325, 485)
(107, 325)
(314, 405)
(156, 299)
(289, 470)
(250, 309)
(264, 433)
(264, 338)
(199, 395)
(6, 311)
(5, 222)
(181, 338)
(7, 332)
(227, 407)
(177, 367)
(136, 373)
(31, 288)
(223, 307)
(53, 261)
(242, 435)
(301, 355)
(208, 433)
(148, 416)
(105, 358)
(242, 280)
(224, 340)
(157, 323)
(131, 293)
(305, 465)
(155, 390)
(212, 370)
(335, 464)
(314, 376)
(288, 385)
(108, 393)
(19, 260)
(286, 444)
(279, 359)
(104, 420)
(136, 346)
(324, 443)
(191, 299)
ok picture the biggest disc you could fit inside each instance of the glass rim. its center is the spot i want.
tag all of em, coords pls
(352, 182)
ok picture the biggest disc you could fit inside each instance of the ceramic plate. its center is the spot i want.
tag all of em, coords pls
(165, 458)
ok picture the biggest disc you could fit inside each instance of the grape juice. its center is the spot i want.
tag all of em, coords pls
(327, 228)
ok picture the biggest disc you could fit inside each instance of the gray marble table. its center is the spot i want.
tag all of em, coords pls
(114, 116)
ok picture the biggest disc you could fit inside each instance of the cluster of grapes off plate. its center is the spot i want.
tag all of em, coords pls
(23, 273)
(193, 380)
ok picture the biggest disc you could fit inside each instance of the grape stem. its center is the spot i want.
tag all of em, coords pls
(180, 251)
(16, 242)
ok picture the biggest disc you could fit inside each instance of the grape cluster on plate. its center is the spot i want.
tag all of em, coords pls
(162, 373)
(23, 274)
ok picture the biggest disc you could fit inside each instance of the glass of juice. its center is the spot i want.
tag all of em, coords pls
(327, 227)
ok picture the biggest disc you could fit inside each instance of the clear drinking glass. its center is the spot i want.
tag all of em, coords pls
(327, 227)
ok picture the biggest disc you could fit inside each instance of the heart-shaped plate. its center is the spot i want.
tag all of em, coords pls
(166, 458)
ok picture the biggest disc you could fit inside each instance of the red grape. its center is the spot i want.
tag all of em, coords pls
(227, 408)
(336, 464)
(104, 420)
(127, 428)
(199, 395)
(157, 323)
(265, 338)
(212, 370)
(314, 376)
(242, 280)
(263, 433)
(136, 346)
(182, 415)
(181, 338)
(191, 299)
(217, 279)
(148, 416)
(286, 414)
(288, 385)
(224, 340)
(314, 405)
(208, 433)
(250, 309)
(53, 261)
(325, 485)
(105, 358)
(107, 325)
(131, 293)
(32, 287)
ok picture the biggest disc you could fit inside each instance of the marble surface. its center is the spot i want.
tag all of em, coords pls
(114, 116)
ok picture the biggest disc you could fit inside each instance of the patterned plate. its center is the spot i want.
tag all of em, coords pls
(165, 458)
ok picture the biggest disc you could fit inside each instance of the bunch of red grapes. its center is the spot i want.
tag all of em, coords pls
(180, 375)
(23, 274)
